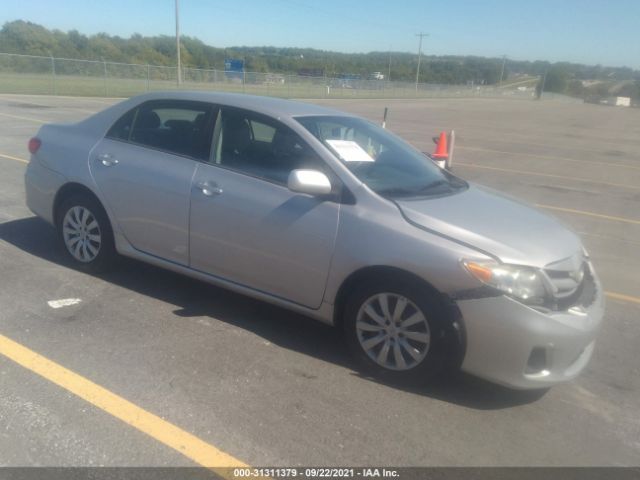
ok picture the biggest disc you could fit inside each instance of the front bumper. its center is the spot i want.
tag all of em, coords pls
(517, 346)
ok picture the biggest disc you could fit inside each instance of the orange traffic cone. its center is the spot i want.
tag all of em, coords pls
(442, 152)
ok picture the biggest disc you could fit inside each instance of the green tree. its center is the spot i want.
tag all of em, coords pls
(557, 79)
(32, 39)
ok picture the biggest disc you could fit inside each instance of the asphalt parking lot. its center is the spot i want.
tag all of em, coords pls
(269, 387)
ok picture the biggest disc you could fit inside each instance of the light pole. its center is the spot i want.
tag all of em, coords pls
(178, 45)
(389, 73)
(421, 35)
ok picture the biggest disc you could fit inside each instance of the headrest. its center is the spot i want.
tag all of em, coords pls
(148, 119)
(286, 143)
(237, 134)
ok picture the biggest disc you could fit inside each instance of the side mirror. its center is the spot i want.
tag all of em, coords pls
(311, 182)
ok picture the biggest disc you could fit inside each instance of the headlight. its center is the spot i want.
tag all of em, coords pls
(522, 283)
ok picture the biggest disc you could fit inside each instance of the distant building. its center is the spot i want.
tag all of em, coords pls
(274, 78)
(616, 101)
(348, 76)
(623, 102)
(311, 72)
(590, 83)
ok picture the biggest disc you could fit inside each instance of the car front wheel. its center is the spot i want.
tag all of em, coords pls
(394, 329)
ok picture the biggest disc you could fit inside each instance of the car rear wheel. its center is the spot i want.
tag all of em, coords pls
(85, 232)
(395, 331)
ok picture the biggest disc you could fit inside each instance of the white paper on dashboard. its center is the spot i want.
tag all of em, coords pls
(350, 151)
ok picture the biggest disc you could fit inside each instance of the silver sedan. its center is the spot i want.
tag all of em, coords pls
(329, 215)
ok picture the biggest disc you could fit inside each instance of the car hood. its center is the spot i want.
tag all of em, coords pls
(496, 224)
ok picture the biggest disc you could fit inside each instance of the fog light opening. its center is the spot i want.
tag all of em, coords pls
(537, 363)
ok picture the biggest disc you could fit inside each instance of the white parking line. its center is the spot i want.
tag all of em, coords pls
(28, 119)
(64, 302)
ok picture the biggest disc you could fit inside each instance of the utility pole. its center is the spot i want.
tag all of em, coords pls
(389, 74)
(421, 35)
(104, 64)
(544, 80)
(53, 73)
(178, 45)
(504, 60)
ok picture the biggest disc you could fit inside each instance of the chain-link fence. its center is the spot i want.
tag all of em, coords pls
(30, 74)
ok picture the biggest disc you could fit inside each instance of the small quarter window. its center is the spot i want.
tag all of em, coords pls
(121, 130)
(262, 132)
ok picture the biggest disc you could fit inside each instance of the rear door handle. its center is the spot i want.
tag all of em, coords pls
(209, 188)
(107, 159)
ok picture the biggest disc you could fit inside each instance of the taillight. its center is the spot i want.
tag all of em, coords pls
(34, 145)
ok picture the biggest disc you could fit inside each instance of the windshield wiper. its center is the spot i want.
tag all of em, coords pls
(397, 191)
(435, 183)
(408, 192)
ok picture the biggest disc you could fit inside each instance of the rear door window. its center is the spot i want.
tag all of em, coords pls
(176, 126)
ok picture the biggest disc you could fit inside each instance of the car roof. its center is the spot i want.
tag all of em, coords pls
(275, 107)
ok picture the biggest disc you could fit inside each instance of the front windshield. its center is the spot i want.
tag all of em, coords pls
(385, 163)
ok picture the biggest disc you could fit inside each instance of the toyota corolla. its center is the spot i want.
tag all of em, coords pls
(327, 214)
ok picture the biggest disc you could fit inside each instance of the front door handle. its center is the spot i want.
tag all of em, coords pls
(107, 159)
(209, 188)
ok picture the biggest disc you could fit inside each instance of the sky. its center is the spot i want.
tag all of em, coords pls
(605, 32)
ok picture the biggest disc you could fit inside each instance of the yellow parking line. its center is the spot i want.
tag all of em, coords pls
(547, 157)
(9, 157)
(589, 214)
(526, 172)
(624, 298)
(23, 118)
(170, 435)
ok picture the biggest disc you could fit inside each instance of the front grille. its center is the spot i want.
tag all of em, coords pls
(572, 283)
(584, 296)
(566, 283)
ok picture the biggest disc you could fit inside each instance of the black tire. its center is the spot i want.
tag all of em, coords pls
(106, 252)
(435, 359)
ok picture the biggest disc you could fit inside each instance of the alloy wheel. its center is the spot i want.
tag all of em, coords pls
(81, 234)
(393, 331)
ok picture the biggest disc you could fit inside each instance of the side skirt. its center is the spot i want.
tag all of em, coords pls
(323, 314)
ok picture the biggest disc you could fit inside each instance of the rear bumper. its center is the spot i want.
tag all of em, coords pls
(514, 345)
(41, 186)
